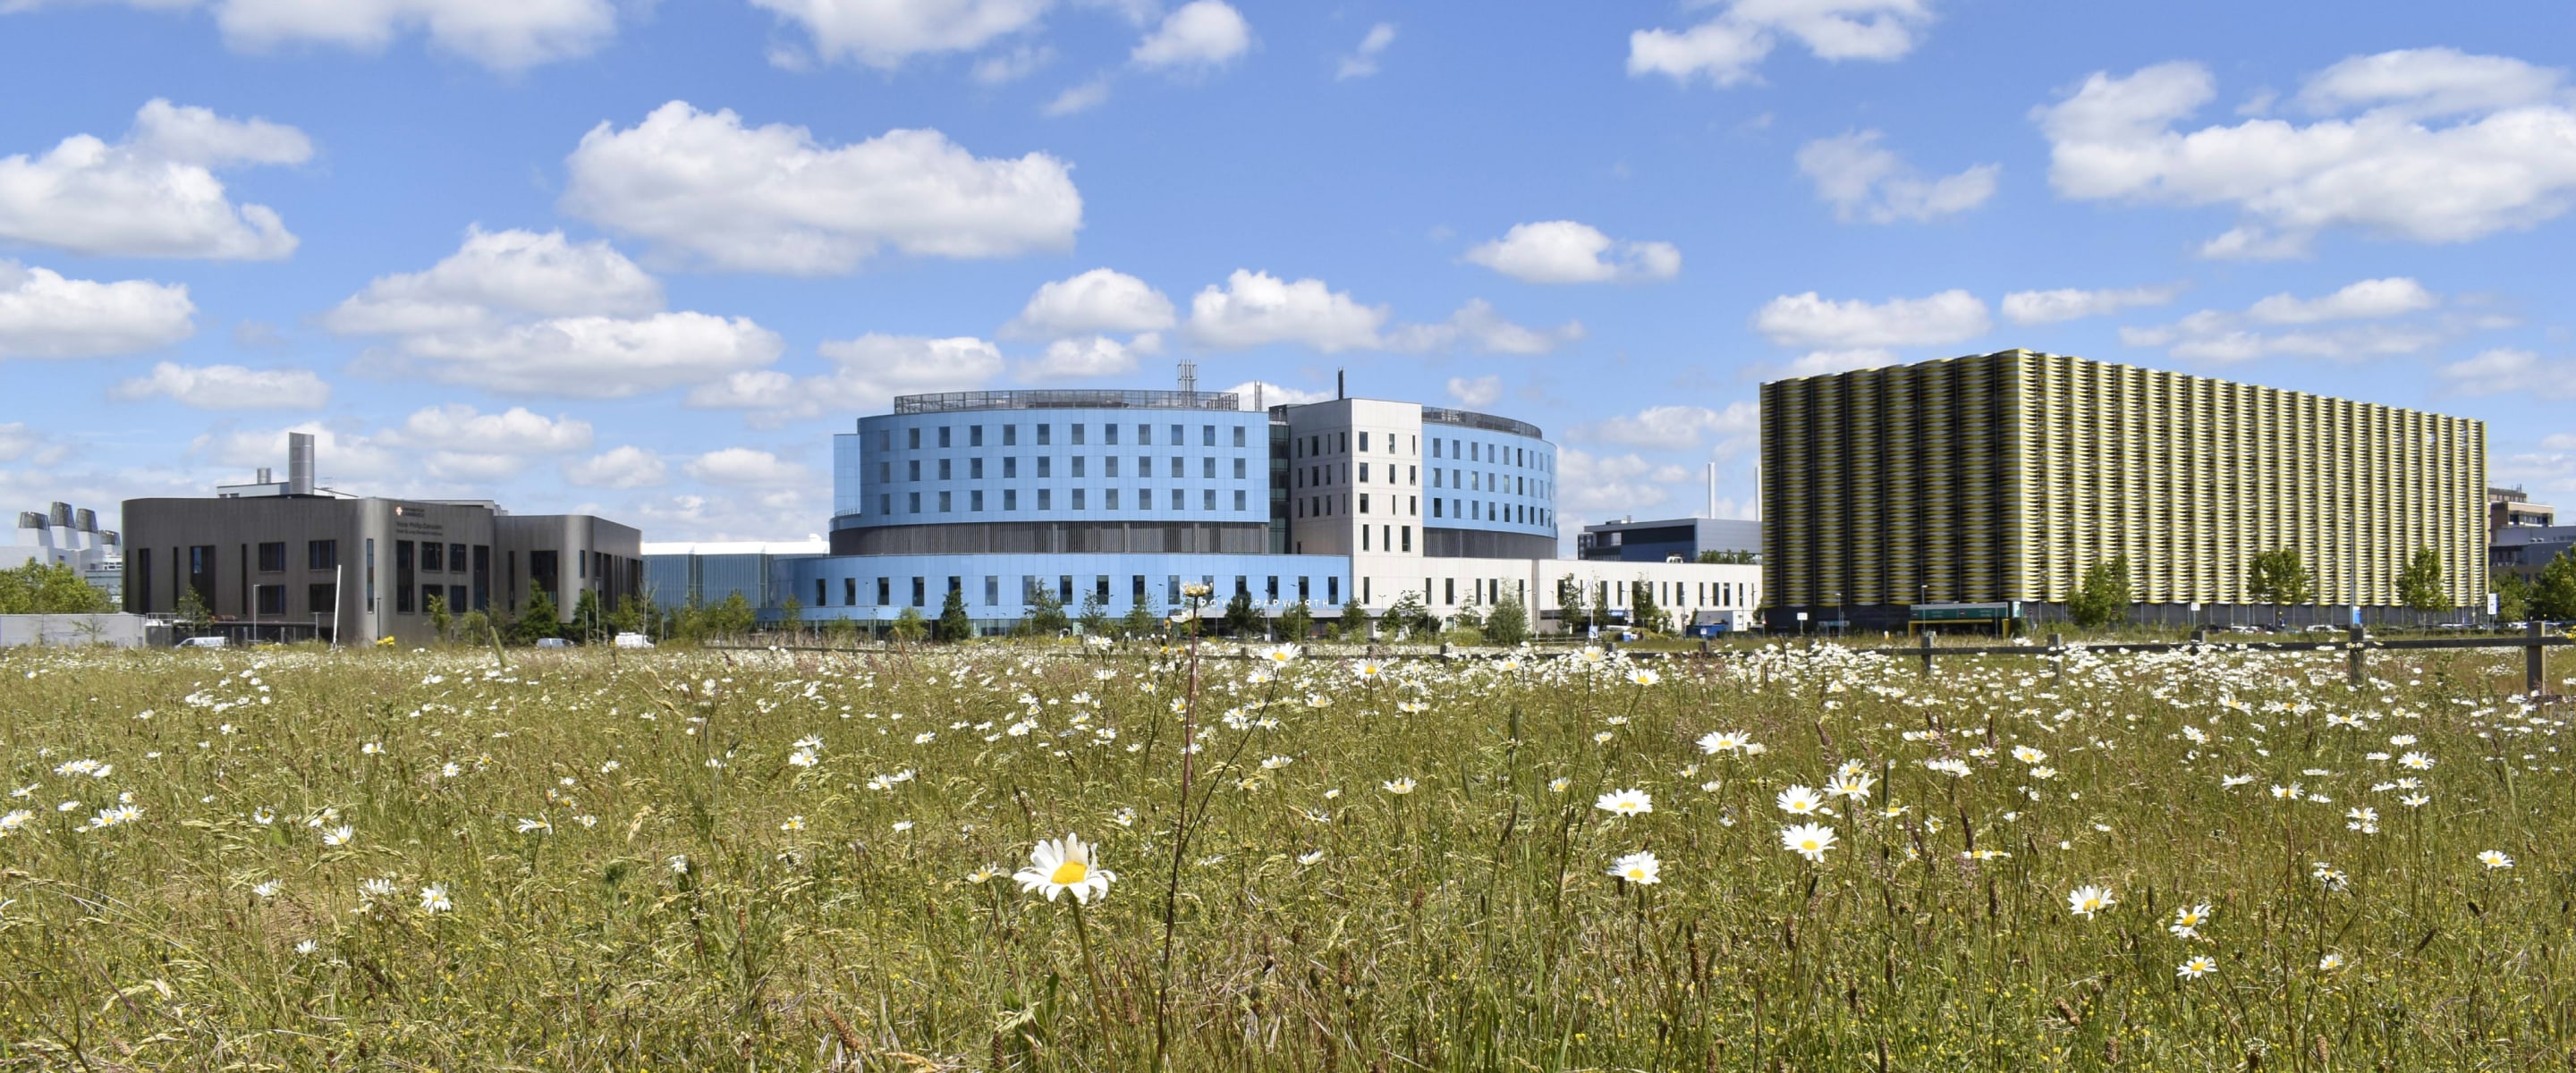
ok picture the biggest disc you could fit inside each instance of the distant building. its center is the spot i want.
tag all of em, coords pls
(1632, 541)
(63, 536)
(2522, 550)
(2510, 508)
(2003, 478)
(284, 559)
(706, 573)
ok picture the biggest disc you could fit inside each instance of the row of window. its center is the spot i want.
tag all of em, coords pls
(1035, 589)
(1498, 454)
(1145, 499)
(946, 468)
(1504, 483)
(1478, 510)
(945, 435)
(1317, 445)
(318, 555)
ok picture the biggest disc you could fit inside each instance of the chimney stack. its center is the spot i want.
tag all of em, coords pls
(61, 516)
(299, 464)
(1341, 383)
(85, 520)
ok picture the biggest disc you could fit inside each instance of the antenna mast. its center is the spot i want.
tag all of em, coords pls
(1189, 378)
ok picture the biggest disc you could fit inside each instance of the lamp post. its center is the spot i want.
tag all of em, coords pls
(1840, 627)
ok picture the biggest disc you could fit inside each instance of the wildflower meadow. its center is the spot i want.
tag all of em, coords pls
(1005, 857)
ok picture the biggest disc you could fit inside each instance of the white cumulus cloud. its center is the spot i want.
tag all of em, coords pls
(228, 387)
(1677, 425)
(155, 193)
(1608, 484)
(2508, 370)
(703, 187)
(867, 373)
(1198, 35)
(1564, 251)
(1256, 309)
(1729, 48)
(2323, 326)
(2428, 145)
(517, 431)
(2069, 303)
(498, 274)
(1810, 320)
(1083, 358)
(1362, 62)
(1481, 391)
(45, 315)
(885, 33)
(1864, 180)
(743, 467)
(504, 35)
(1478, 326)
(1097, 301)
(593, 357)
(619, 467)
(2369, 299)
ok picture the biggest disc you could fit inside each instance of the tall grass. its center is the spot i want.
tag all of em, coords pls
(687, 894)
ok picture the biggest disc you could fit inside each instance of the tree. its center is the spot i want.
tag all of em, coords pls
(1408, 615)
(192, 605)
(539, 621)
(1569, 604)
(1044, 617)
(1240, 618)
(1470, 617)
(439, 620)
(1095, 616)
(629, 616)
(2278, 577)
(2103, 596)
(1140, 621)
(57, 589)
(1737, 557)
(954, 625)
(2419, 586)
(588, 619)
(841, 630)
(1642, 609)
(2513, 598)
(2553, 593)
(791, 614)
(910, 627)
(1508, 624)
(1296, 622)
(1354, 623)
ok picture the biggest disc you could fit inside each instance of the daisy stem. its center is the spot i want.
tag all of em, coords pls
(1091, 966)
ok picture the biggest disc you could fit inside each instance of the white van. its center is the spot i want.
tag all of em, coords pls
(205, 642)
(633, 640)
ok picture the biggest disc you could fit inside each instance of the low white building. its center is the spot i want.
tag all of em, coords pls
(62, 536)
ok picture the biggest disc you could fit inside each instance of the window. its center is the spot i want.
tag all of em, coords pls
(912, 438)
(456, 558)
(912, 470)
(946, 472)
(1207, 467)
(974, 435)
(1046, 464)
(1238, 499)
(1077, 499)
(1238, 435)
(1207, 498)
(269, 599)
(321, 554)
(1136, 588)
(272, 557)
(1109, 433)
(1077, 434)
(885, 472)
(1435, 447)
(1175, 468)
(885, 502)
(1046, 499)
(1010, 499)
(1044, 434)
(885, 591)
(1364, 538)
(850, 591)
(402, 577)
(1108, 498)
(1010, 435)
(1207, 435)
(1172, 589)
(822, 596)
(1408, 537)
(975, 469)
(943, 436)
(914, 502)
(1435, 504)
(1077, 465)
(992, 590)
(1145, 435)
(946, 502)
(1333, 590)
(1364, 504)
(1363, 473)
(1449, 591)
(974, 500)
(433, 558)
(1064, 589)
(1363, 443)
(322, 599)
(1238, 468)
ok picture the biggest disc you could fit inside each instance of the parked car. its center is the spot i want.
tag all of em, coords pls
(633, 640)
(553, 642)
(205, 642)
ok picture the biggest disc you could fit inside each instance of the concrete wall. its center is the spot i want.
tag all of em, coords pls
(118, 631)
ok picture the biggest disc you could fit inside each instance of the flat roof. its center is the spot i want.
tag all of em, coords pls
(738, 547)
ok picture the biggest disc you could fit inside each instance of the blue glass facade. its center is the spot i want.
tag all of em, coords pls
(1483, 479)
(1026, 465)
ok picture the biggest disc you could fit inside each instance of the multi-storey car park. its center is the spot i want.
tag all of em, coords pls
(1123, 498)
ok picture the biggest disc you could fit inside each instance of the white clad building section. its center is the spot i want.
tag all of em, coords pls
(1678, 590)
(1355, 478)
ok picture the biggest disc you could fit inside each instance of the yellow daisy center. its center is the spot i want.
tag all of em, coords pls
(1070, 873)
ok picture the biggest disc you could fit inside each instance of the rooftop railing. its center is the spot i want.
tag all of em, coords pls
(1067, 399)
(1470, 419)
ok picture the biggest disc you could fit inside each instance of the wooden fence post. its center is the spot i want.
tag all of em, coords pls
(2532, 679)
(2352, 654)
(2200, 635)
(2057, 651)
(1927, 653)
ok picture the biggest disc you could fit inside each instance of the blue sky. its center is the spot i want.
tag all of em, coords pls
(642, 258)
